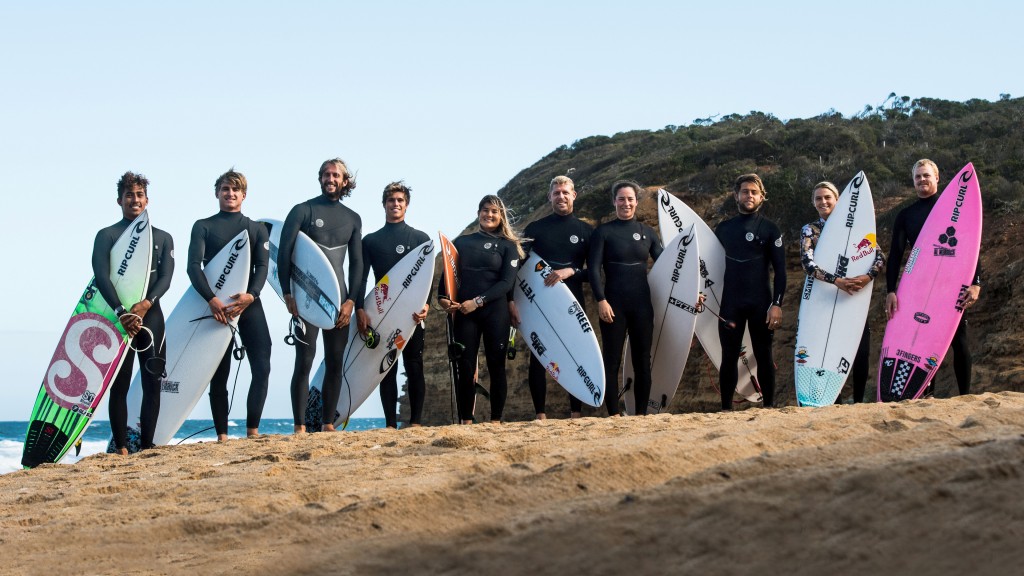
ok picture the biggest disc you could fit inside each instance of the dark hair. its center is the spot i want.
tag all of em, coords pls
(130, 180)
(350, 181)
(619, 185)
(398, 186)
(234, 178)
(748, 178)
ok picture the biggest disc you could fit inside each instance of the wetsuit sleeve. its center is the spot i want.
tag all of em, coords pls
(899, 245)
(356, 271)
(878, 264)
(656, 247)
(261, 258)
(101, 247)
(360, 290)
(808, 240)
(778, 260)
(194, 267)
(594, 260)
(164, 271)
(509, 266)
(289, 232)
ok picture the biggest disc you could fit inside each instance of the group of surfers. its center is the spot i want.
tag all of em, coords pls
(613, 258)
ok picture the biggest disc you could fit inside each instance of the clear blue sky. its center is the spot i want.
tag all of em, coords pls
(453, 97)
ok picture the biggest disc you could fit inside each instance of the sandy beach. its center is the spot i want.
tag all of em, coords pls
(923, 487)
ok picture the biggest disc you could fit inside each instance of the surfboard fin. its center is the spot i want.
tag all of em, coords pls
(482, 391)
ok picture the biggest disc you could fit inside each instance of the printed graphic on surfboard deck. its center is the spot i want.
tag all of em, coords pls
(930, 292)
(89, 353)
(558, 333)
(675, 284)
(831, 322)
(314, 285)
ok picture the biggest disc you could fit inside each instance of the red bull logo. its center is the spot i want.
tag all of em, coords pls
(380, 293)
(552, 369)
(865, 246)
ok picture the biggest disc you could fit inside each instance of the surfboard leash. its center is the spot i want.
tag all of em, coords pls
(238, 353)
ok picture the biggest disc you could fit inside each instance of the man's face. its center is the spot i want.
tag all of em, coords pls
(133, 202)
(561, 198)
(333, 180)
(230, 197)
(395, 207)
(926, 181)
(749, 198)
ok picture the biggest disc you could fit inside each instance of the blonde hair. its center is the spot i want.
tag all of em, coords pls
(505, 229)
(559, 180)
(925, 162)
(826, 185)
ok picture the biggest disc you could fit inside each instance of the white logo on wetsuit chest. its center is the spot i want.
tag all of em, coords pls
(778, 242)
(487, 246)
(750, 236)
(636, 235)
(400, 249)
(319, 223)
(574, 239)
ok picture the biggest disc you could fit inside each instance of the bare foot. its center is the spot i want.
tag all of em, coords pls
(299, 429)
(415, 425)
(122, 451)
(575, 415)
(542, 416)
(327, 428)
(252, 432)
(222, 437)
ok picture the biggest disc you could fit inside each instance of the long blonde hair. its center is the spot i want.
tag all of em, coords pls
(505, 229)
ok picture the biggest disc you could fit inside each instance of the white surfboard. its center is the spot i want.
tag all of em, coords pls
(194, 347)
(673, 216)
(315, 286)
(390, 306)
(831, 322)
(556, 329)
(674, 281)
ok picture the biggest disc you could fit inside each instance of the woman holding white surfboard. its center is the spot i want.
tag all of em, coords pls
(824, 196)
(621, 248)
(488, 260)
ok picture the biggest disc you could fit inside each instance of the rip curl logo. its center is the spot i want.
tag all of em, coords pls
(947, 243)
(636, 235)
(778, 242)
(89, 346)
(514, 263)
(400, 249)
(266, 245)
(487, 246)
(749, 236)
(318, 223)
(574, 239)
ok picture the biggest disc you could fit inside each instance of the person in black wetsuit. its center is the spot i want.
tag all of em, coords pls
(488, 260)
(381, 251)
(133, 198)
(208, 237)
(905, 230)
(563, 240)
(337, 230)
(621, 247)
(824, 197)
(752, 244)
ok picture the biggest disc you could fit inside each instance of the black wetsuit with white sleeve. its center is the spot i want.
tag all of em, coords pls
(622, 248)
(564, 242)
(753, 245)
(381, 251)
(151, 359)
(337, 230)
(209, 236)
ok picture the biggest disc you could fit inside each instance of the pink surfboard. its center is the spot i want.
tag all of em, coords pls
(939, 270)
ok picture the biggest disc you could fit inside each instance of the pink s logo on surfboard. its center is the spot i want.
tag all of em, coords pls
(89, 346)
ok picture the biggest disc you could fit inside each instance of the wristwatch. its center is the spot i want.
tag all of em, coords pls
(120, 311)
(479, 301)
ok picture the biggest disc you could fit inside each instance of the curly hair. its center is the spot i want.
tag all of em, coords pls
(350, 181)
(129, 180)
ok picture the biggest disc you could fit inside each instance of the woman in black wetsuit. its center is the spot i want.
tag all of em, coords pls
(622, 247)
(488, 260)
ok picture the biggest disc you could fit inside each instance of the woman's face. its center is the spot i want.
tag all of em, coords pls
(489, 218)
(625, 203)
(824, 202)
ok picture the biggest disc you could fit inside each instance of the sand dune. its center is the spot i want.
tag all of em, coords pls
(930, 486)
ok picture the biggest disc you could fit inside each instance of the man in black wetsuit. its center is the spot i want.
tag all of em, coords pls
(381, 251)
(133, 198)
(563, 241)
(905, 230)
(752, 243)
(208, 237)
(336, 229)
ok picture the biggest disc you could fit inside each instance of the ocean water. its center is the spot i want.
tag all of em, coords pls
(12, 436)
